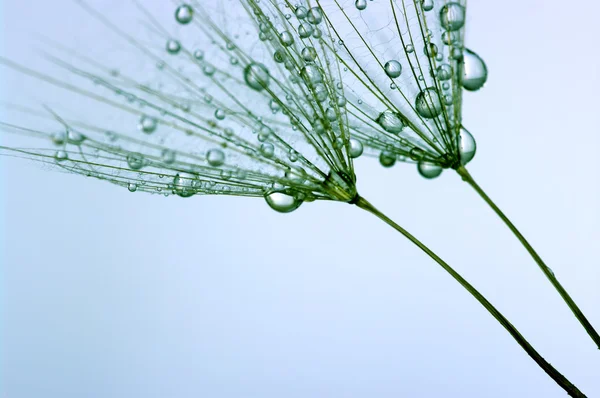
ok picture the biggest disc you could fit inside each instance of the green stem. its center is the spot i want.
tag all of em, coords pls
(466, 176)
(549, 369)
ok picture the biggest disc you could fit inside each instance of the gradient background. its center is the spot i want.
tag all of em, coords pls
(111, 294)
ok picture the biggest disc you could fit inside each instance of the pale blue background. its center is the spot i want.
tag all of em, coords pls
(111, 294)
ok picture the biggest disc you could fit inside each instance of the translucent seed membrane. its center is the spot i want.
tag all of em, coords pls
(247, 101)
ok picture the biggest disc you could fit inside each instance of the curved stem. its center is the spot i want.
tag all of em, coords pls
(549, 369)
(466, 176)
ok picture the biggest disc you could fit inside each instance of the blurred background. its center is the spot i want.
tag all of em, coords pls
(105, 293)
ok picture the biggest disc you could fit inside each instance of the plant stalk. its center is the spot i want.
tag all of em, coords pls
(561, 380)
(466, 176)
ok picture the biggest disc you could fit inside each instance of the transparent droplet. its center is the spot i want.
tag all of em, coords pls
(356, 148)
(428, 103)
(409, 48)
(391, 122)
(132, 187)
(135, 161)
(393, 69)
(387, 158)
(466, 146)
(173, 46)
(256, 76)
(427, 5)
(452, 16)
(74, 137)
(167, 156)
(286, 38)
(282, 202)
(311, 75)
(301, 12)
(444, 72)
(305, 30)
(184, 186)
(59, 138)
(429, 170)
(215, 157)
(314, 16)
(474, 71)
(219, 114)
(148, 124)
(267, 149)
(61, 156)
(360, 4)
(184, 14)
(309, 54)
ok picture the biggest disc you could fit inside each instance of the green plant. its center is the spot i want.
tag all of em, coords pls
(303, 148)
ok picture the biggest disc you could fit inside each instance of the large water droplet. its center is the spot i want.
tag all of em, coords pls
(282, 202)
(314, 16)
(132, 187)
(267, 149)
(429, 170)
(184, 14)
(286, 38)
(452, 16)
(391, 122)
(466, 146)
(74, 137)
(311, 75)
(393, 69)
(427, 5)
(215, 157)
(256, 76)
(444, 72)
(474, 71)
(61, 156)
(428, 103)
(356, 148)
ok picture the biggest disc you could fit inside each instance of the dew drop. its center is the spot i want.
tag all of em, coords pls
(393, 69)
(59, 138)
(267, 149)
(314, 16)
(474, 71)
(360, 4)
(305, 30)
(429, 170)
(387, 159)
(173, 47)
(184, 186)
(301, 12)
(286, 38)
(132, 187)
(356, 148)
(74, 137)
(452, 16)
(256, 76)
(184, 14)
(428, 103)
(444, 72)
(148, 124)
(61, 156)
(215, 157)
(282, 202)
(391, 122)
(219, 114)
(309, 54)
(467, 146)
(427, 5)
(167, 156)
(135, 161)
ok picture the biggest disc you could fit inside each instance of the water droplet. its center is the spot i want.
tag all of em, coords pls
(267, 149)
(466, 146)
(428, 103)
(452, 16)
(427, 5)
(256, 76)
(167, 156)
(356, 148)
(360, 4)
(309, 54)
(474, 71)
(148, 124)
(314, 16)
(409, 48)
(61, 156)
(311, 75)
(132, 187)
(135, 161)
(183, 185)
(387, 158)
(74, 137)
(59, 138)
(215, 157)
(393, 69)
(391, 122)
(184, 14)
(429, 170)
(219, 114)
(305, 30)
(173, 46)
(286, 38)
(282, 202)
(444, 72)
